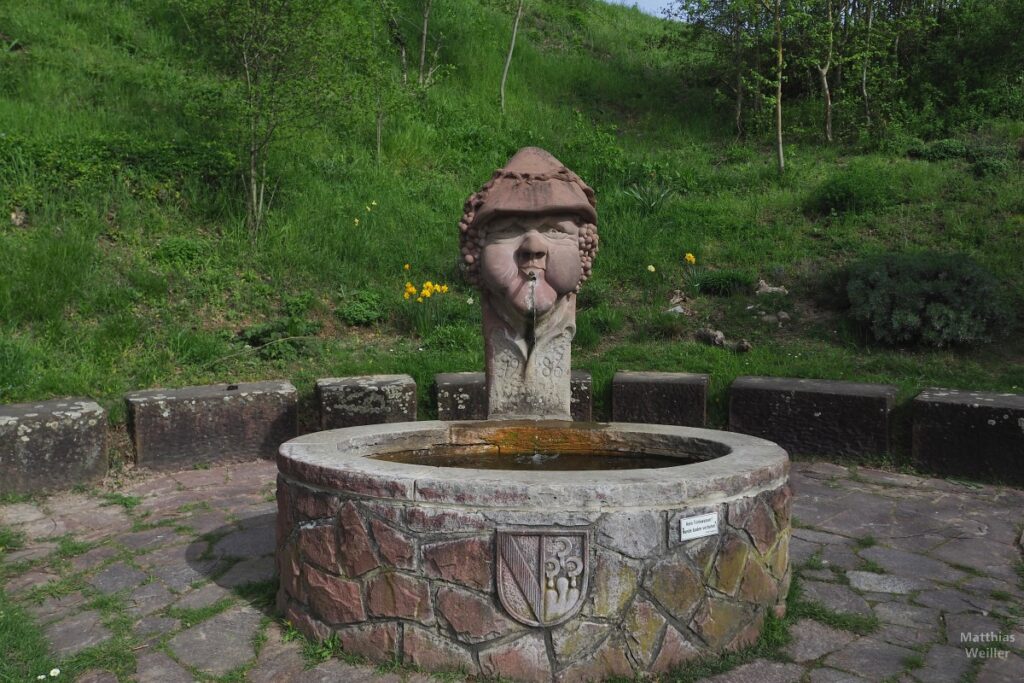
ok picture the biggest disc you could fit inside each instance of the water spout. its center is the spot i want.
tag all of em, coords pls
(531, 306)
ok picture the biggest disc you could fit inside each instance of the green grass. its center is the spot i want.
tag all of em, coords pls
(191, 617)
(260, 595)
(11, 539)
(871, 566)
(25, 650)
(913, 662)
(797, 608)
(68, 546)
(864, 542)
(135, 249)
(129, 503)
(814, 562)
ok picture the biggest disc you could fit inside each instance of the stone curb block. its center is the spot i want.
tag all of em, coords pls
(670, 398)
(51, 445)
(176, 428)
(365, 400)
(814, 417)
(970, 433)
(581, 401)
(463, 396)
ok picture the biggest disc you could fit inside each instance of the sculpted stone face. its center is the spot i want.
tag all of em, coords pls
(529, 262)
(527, 239)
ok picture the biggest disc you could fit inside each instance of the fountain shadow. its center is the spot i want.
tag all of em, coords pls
(236, 559)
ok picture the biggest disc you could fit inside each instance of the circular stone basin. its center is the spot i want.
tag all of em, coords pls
(608, 550)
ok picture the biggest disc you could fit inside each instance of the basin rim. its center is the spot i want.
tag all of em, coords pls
(337, 461)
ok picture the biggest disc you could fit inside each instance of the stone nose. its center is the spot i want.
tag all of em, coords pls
(532, 249)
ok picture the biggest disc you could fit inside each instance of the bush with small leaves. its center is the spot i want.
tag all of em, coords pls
(926, 299)
(362, 308)
(941, 150)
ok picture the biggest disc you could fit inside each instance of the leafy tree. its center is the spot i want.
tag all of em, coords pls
(284, 60)
(731, 29)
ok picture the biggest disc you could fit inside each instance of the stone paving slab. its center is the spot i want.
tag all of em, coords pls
(932, 560)
(70, 636)
(220, 644)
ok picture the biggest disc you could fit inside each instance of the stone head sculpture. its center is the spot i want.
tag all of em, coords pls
(528, 240)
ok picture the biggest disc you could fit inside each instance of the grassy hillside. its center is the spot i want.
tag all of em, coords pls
(126, 263)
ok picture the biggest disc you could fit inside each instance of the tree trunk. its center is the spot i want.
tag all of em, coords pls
(423, 40)
(252, 218)
(778, 86)
(511, 47)
(827, 95)
(737, 57)
(823, 73)
(739, 104)
(864, 66)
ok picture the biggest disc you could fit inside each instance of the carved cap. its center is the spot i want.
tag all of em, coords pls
(533, 182)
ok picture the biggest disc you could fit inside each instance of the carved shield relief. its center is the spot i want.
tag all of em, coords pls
(542, 574)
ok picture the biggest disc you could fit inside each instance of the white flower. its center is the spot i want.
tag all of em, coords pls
(41, 677)
(54, 673)
(651, 268)
(469, 301)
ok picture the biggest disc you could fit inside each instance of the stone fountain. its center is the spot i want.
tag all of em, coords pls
(527, 546)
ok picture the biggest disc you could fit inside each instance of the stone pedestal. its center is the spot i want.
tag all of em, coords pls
(176, 428)
(365, 400)
(975, 434)
(814, 417)
(670, 398)
(463, 396)
(51, 445)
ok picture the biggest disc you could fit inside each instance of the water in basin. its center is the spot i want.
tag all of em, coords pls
(494, 459)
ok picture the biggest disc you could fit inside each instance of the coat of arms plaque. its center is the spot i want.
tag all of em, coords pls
(542, 574)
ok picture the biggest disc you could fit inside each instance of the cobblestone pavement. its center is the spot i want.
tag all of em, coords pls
(159, 565)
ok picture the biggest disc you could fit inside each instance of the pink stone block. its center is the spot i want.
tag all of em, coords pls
(391, 594)
(469, 562)
(335, 599)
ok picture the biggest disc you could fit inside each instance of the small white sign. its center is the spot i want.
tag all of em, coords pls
(698, 526)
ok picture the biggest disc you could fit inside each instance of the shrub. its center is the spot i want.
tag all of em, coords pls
(280, 339)
(926, 299)
(861, 186)
(990, 166)
(362, 308)
(941, 150)
(182, 253)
